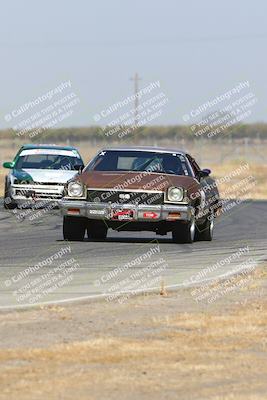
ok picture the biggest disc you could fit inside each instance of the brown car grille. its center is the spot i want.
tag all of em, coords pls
(120, 197)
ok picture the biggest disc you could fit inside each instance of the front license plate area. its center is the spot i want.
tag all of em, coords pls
(122, 215)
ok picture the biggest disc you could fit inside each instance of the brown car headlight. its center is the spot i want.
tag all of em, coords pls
(75, 189)
(175, 194)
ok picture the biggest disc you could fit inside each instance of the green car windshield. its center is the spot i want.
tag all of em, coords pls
(47, 161)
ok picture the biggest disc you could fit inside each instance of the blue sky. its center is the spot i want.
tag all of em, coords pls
(196, 49)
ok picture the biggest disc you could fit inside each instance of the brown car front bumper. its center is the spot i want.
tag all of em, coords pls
(120, 212)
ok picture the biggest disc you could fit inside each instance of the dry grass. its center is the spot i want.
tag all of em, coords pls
(237, 187)
(211, 355)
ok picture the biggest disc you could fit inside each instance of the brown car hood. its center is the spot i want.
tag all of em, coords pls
(137, 180)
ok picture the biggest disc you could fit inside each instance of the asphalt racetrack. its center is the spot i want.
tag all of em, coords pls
(37, 266)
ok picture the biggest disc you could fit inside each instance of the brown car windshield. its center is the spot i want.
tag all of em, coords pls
(111, 160)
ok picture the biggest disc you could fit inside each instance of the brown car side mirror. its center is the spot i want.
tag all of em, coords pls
(204, 173)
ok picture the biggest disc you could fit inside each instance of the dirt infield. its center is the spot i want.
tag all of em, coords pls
(155, 346)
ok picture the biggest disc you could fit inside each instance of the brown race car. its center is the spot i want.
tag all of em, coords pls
(141, 189)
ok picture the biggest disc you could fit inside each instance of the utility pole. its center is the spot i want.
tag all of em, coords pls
(136, 79)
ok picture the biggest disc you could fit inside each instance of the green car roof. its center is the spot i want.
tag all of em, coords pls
(47, 146)
(44, 146)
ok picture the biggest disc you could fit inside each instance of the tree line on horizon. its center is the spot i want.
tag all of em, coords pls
(97, 133)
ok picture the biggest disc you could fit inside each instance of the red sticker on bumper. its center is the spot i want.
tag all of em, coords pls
(150, 215)
(122, 215)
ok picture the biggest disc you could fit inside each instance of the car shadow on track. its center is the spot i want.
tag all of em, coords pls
(132, 240)
(124, 240)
